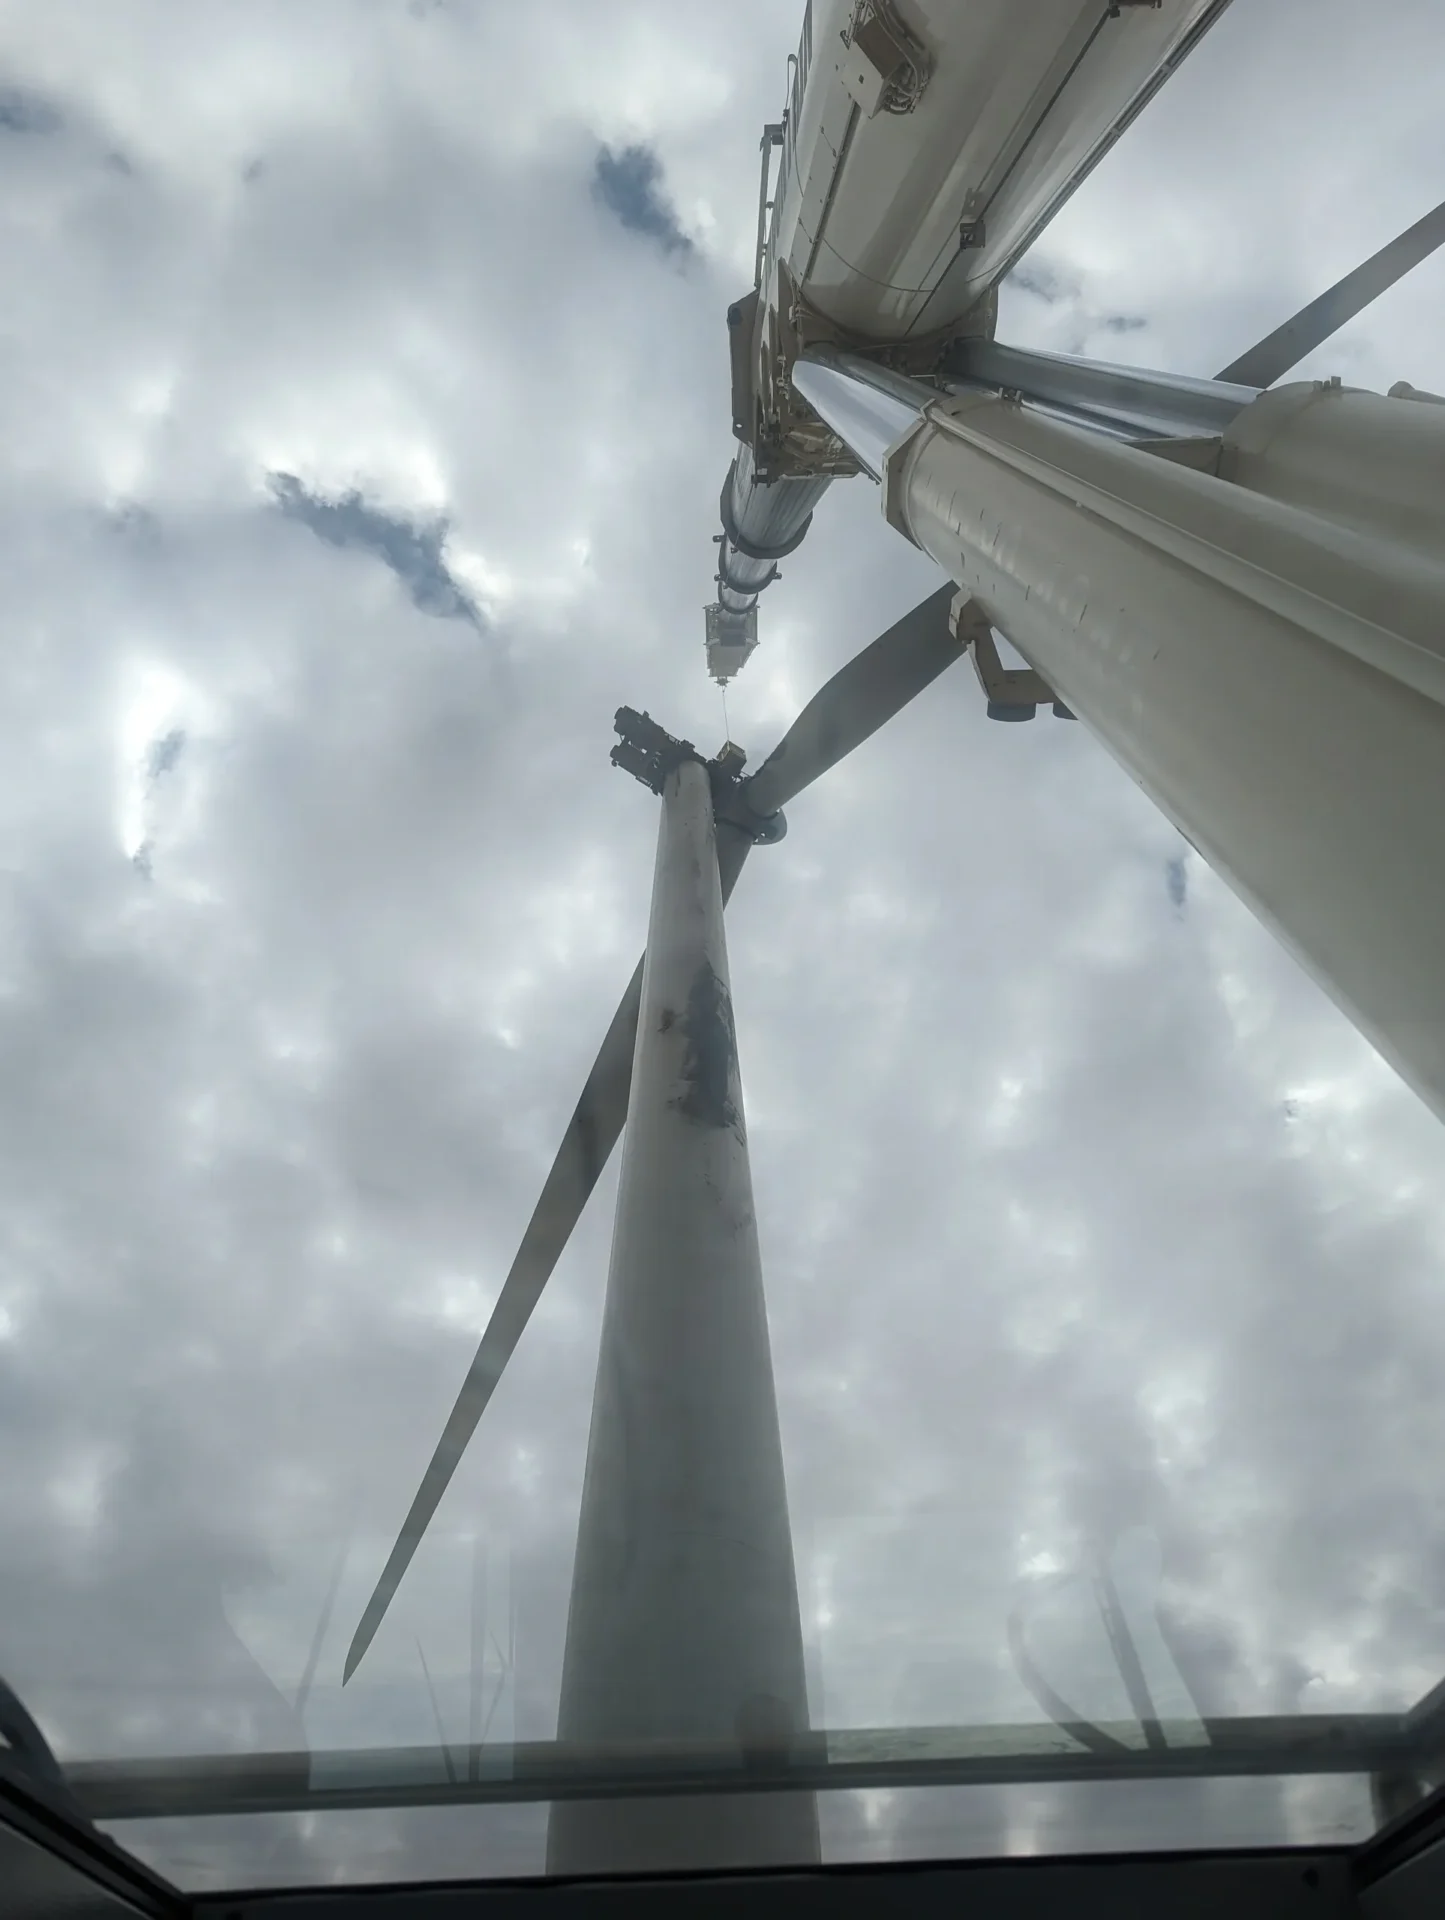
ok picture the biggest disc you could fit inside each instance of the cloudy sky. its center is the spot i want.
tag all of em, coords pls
(362, 414)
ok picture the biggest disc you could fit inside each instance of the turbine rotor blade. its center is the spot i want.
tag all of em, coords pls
(595, 1124)
(876, 683)
(1263, 364)
(591, 1135)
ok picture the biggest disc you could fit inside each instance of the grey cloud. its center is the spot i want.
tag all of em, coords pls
(629, 185)
(1038, 275)
(22, 111)
(161, 758)
(1044, 1259)
(165, 753)
(412, 552)
(133, 522)
(1063, 294)
(1176, 879)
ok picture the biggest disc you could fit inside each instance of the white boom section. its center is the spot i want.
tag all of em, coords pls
(924, 145)
(1271, 671)
(684, 1625)
(898, 215)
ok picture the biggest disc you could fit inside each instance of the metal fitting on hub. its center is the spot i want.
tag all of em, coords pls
(650, 753)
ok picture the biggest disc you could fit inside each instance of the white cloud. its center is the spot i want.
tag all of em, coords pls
(1081, 1209)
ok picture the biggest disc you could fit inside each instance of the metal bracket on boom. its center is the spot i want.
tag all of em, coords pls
(1013, 693)
(884, 66)
(650, 753)
(972, 232)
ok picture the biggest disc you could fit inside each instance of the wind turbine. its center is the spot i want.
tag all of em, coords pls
(684, 1622)
(1238, 592)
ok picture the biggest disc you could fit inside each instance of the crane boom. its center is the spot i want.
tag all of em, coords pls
(924, 145)
(1253, 624)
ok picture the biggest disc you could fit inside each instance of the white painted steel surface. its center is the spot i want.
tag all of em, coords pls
(684, 1619)
(1275, 681)
(869, 421)
(1022, 101)
(1358, 458)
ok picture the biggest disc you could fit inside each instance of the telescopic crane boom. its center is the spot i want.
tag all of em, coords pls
(924, 146)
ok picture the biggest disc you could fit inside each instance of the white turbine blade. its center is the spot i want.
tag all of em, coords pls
(323, 1623)
(1313, 325)
(876, 683)
(591, 1134)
